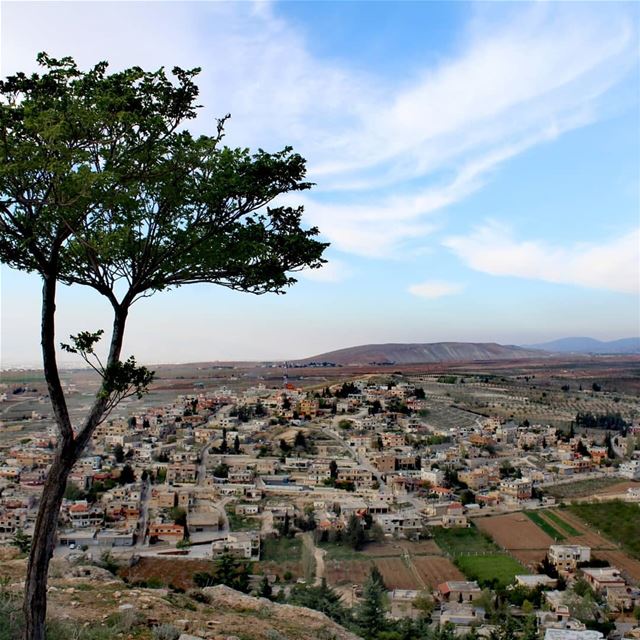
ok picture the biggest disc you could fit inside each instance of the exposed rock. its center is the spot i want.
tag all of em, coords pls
(280, 615)
(92, 573)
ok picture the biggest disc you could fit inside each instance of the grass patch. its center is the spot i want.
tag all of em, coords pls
(282, 550)
(563, 524)
(494, 570)
(547, 527)
(619, 521)
(464, 541)
(340, 552)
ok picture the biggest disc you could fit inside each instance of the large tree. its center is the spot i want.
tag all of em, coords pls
(102, 186)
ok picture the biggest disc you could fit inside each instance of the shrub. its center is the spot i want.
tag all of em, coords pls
(165, 632)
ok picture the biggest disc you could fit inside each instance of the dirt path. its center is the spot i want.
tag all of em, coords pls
(318, 556)
(408, 560)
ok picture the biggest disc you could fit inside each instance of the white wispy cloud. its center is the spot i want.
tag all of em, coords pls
(613, 264)
(386, 153)
(432, 289)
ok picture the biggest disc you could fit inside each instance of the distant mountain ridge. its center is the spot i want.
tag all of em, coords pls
(590, 345)
(407, 353)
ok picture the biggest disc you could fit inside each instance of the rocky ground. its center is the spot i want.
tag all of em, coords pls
(89, 598)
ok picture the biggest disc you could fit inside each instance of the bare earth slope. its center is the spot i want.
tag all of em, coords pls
(421, 353)
(84, 595)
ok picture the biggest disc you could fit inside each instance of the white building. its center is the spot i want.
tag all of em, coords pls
(630, 469)
(568, 556)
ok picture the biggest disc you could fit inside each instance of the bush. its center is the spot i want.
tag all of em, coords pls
(165, 632)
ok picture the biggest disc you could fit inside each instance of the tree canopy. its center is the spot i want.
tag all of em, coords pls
(102, 185)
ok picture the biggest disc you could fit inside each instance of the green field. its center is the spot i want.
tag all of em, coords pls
(340, 551)
(490, 570)
(619, 521)
(463, 541)
(563, 524)
(547, 527)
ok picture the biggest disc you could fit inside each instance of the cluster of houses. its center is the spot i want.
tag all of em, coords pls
(462, 603)
(217, 472)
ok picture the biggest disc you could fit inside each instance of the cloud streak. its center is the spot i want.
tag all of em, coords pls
(612, 265)
(387, 154)
(432, 289)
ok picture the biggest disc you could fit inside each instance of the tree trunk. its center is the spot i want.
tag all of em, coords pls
(70, 448)
(43, 544)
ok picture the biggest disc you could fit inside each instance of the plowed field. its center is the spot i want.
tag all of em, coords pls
(396, 574)
(436, 569)
(514, 531)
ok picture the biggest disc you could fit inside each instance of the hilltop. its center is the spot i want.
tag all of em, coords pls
(407, 353)
(590, 345)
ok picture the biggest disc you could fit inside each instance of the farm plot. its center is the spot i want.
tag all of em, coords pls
(347, 572)
(618, 520)
(589, 534)
(545, 525)
(561, 524)
(490, 570)
(382, 550)
(422, 547)
(436, 569)
(463, 541)
(514, 531)
(529, 558)
(396, 574)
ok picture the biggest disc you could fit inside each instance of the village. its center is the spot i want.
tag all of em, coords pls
(320, 485)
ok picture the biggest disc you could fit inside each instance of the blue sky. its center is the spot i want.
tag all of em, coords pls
(477, 167)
